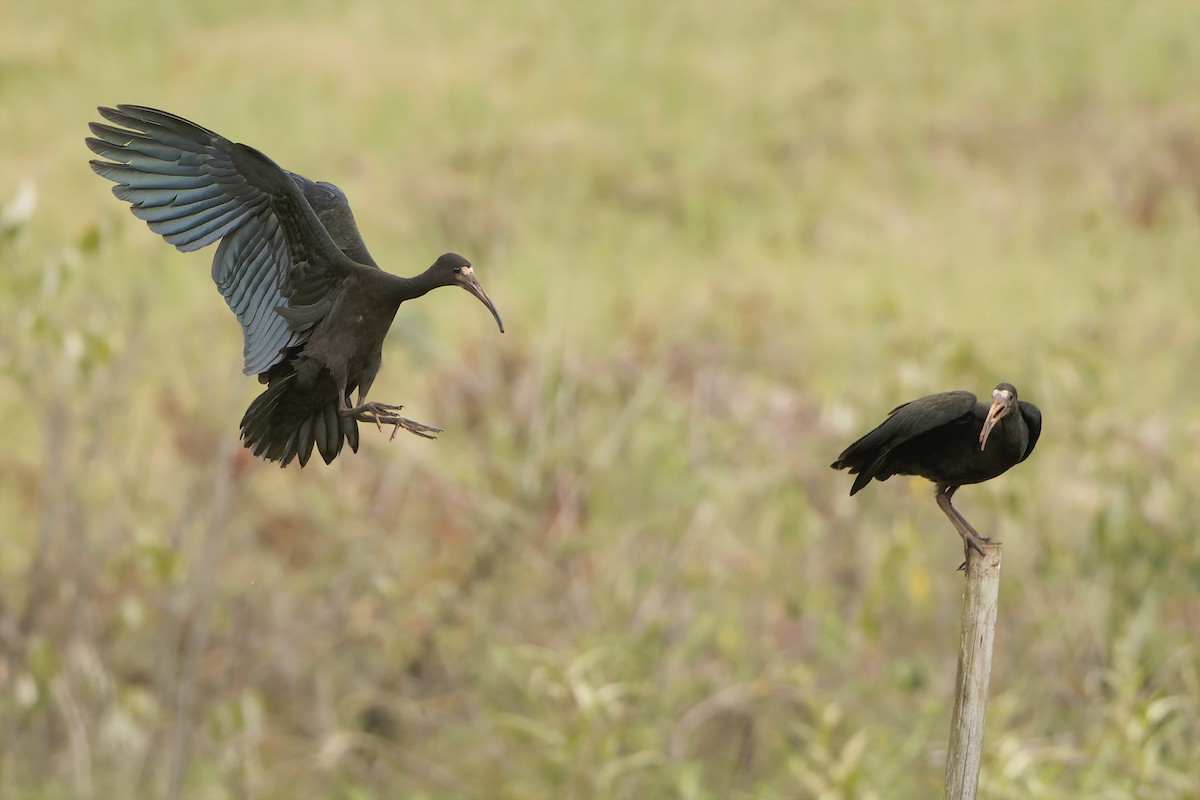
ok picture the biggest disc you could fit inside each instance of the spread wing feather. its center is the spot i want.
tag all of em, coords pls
(285, 239)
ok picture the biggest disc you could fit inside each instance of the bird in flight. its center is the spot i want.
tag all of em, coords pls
(314, 306)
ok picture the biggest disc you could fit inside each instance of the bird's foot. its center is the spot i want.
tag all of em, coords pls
(384, 414)
(972, 541)
(424, 431)
(372, 412)
(975, 542)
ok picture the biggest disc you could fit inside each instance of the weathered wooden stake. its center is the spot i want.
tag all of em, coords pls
(974, 668)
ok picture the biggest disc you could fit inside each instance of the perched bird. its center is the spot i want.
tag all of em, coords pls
(314, 306)
(950, 439)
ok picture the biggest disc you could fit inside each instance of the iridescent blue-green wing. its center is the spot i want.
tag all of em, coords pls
(194, 187)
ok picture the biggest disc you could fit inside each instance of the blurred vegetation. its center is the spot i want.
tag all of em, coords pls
(726, 237)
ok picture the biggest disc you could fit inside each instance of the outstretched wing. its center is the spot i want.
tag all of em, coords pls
(867, 456)
(277, 266)
(333, 209)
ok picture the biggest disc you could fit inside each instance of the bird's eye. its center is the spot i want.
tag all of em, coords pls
(457, 270)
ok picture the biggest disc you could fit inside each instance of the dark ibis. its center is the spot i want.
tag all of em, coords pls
(314, 306)
(952, 440)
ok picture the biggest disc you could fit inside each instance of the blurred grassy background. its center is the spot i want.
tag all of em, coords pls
(726, 238)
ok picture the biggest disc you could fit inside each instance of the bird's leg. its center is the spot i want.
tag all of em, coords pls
(382, 414)
(970, 536)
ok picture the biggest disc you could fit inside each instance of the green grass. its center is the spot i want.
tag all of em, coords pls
(725, 238)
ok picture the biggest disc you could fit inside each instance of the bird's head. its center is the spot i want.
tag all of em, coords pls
(1004, 402)
(451, 269)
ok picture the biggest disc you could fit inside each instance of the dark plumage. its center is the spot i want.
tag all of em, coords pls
(292, 266)
(950, 439)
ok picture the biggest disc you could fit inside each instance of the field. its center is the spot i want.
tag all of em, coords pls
(725, 238)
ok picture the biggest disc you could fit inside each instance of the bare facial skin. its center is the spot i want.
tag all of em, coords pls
(1002, 403)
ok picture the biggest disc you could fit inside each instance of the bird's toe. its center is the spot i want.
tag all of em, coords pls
(412, 426)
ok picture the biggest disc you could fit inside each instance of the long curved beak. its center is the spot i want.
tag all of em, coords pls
(1000, 406)
(468, 281)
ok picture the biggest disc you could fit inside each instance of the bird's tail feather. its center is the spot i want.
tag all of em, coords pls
(282, 424)
(865, 459)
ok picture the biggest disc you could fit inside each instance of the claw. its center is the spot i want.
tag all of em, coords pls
(969, 542)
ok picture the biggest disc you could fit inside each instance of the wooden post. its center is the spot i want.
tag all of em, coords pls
(974, 668)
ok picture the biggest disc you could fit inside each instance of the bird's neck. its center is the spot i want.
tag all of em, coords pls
(397, 288)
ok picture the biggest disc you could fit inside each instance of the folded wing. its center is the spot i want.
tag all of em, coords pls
(868, 456)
